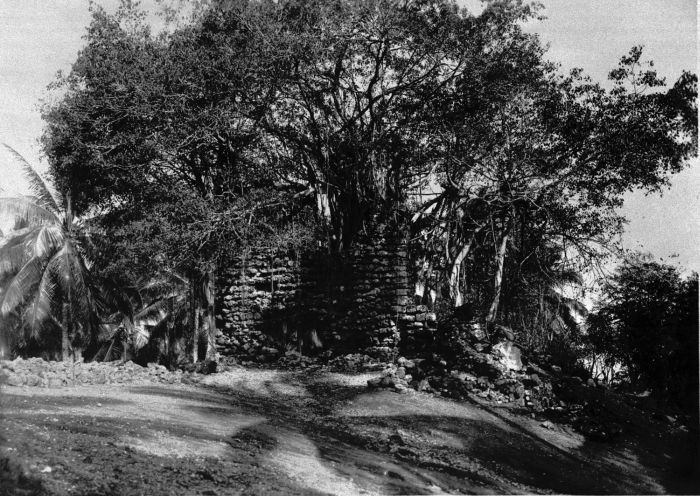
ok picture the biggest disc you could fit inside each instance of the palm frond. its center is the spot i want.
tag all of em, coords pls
(76, 280)
(37, 185)
(166, 282)
(114, 346)
(109, 329)
(40, 309)
(140, 337)
(572, 305)
(44, 301)
(153, 313)
(70, 277)
(14, 253)
(117, 300)
(110, 354)
(26, 209)
(49, 240)
(27, 277)
(68, 271)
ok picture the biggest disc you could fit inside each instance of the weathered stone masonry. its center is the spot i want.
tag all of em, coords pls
(361, 301)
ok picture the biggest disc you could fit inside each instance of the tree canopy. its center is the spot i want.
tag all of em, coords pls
(254, 118)
(648, 321)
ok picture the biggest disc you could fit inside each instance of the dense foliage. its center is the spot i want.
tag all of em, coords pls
(295, 121)
(648, 321)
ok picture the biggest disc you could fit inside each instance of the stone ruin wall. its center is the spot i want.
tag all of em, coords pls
(360, 302)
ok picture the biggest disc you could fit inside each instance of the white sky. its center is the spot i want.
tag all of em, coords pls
(39, 37)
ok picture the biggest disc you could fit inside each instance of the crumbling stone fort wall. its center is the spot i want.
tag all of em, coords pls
(269, 301)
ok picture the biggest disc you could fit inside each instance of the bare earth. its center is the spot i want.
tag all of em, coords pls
(252, 431)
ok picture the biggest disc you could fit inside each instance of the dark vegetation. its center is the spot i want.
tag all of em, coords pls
(648, 322)
(297, 124)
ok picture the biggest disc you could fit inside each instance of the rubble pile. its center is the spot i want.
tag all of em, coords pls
(524, 387)
(36, 372)
(355, 362)
(294, 360)
(471, 367)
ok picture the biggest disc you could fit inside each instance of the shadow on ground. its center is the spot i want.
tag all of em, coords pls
(268, 432)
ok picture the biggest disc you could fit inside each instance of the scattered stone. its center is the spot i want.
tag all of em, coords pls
(519, 391)
(387, 381)
(14, 379)
(374, 383)
(505, 332)
(423, 385)
(510, 355)
(595, 430)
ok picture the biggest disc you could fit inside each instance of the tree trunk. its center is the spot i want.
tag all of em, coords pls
(209, 293)
(194, 322)
(170, 334)
(422, 279)
(205, 295)
(455, 290)
(497, 281)
(65, 335)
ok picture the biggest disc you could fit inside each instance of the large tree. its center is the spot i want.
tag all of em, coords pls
(369, 107)
(647, 321)
(536, 160)
(161, 134)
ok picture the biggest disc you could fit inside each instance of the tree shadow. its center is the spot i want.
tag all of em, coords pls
(14, 477)
(100, 453)
(509, 451)
(28, 403)
(306, 432)
(506, 448)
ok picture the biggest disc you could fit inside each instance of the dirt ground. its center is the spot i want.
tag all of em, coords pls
(250, 431)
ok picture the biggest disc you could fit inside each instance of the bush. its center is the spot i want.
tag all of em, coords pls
(648, 322)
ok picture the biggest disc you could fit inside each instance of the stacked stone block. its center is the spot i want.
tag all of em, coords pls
(418, 324)
(380, 293)
(358, 302)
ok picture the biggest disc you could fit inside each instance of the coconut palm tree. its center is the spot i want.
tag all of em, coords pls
(542, 305)
(44, 271)
(151, 320)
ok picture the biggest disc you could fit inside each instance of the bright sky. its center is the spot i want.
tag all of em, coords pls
(37, 38)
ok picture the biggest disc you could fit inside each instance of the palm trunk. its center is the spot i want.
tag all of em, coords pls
(497, 281)
(65, 334)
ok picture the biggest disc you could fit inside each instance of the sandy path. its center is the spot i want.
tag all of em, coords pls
(270, 432)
